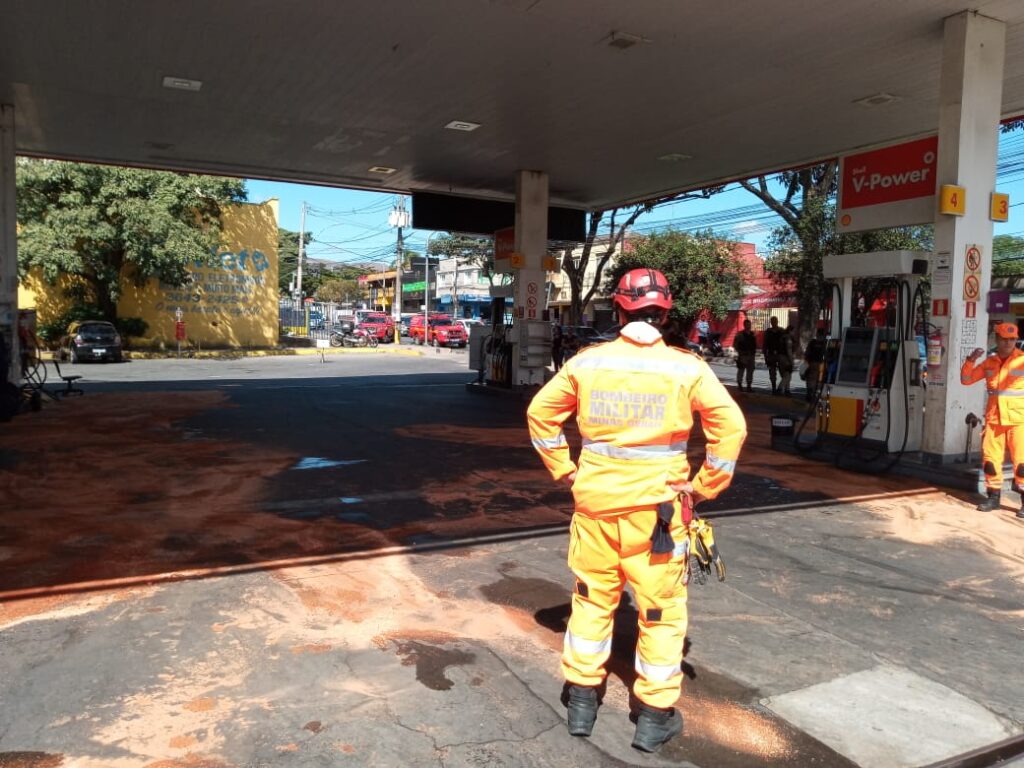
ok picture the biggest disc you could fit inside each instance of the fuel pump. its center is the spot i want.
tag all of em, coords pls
(872, 391)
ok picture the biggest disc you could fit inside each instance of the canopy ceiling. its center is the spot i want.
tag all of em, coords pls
(616, 101)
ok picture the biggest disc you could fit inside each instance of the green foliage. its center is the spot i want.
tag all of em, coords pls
(101, 223)
(468, 249)
(288, 257)
(131, 326)
(52, 331)
(701, 269)
(790, 261)
(1007, 256)
(338, 291)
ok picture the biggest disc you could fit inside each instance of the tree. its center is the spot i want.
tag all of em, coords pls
(1007, 256)
(472, 250)
(338, 290)
(703, 271)
(104, 224)
(288, 258)
(809, 235)
(607, 240)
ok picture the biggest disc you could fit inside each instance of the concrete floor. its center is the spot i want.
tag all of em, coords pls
(282, 562)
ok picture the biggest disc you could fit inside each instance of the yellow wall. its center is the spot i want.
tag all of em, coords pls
(232, 302)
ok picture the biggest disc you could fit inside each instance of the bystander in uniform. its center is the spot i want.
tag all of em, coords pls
(634, 400)
(745, 344)
(1004, 413)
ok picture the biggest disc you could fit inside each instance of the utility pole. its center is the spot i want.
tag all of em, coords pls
(298, 261)
(398, 218)
(455, 291)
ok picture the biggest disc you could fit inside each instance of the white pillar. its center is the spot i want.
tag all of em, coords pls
(970, 100)
(8, 240)
(531, 354)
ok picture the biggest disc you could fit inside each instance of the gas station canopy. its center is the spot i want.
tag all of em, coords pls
(615, 101)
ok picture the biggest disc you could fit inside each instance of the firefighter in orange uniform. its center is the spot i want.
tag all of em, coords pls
(634, 400)
(1004, 414)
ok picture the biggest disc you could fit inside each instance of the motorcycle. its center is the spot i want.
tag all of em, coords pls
(714, 345)
(346, 336)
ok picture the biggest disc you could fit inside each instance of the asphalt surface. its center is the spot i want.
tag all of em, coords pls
(288, 562)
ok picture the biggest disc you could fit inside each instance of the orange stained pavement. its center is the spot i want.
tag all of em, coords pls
(112, 500)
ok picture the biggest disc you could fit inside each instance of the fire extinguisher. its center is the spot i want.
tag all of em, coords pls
(935, 348)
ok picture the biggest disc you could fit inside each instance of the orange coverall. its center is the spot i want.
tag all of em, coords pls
(634, 400)
(1004, 414)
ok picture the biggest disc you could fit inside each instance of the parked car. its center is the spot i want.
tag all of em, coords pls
(442, 332)
(90, 340)
(316, 320)
(467, 323)
(379, 325)
(584, 334)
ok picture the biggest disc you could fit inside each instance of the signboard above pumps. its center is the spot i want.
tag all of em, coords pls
(888, 187)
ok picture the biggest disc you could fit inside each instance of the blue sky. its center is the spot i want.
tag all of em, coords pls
(352, 226)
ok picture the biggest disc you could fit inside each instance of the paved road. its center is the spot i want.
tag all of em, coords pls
(278, 562)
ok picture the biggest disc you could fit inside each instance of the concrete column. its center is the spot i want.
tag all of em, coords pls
(8, 240)
(970, 101)
(530, 334)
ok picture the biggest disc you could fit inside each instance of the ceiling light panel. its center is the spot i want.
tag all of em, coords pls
(182, 84)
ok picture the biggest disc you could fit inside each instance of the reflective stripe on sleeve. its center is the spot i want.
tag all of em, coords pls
(541, 443)
(718, 463)
(657, 672)
(1009, 392)
(635, 451)
(582, 645)
(1016, 372)
(629, 365)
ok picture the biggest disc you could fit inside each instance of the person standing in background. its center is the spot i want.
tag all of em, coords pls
(745, 344)
(814, 356)
(774, 349)
(556, 347)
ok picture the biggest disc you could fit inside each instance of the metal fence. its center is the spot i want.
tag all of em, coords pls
(308, 320)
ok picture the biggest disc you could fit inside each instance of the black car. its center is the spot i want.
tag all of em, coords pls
(90, 340)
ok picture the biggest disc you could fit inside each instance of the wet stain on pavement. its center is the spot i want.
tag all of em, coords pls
(313, 726)
(30, 760)
(431, 661)
(725, 728)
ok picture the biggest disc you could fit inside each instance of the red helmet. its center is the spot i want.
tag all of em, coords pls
(642, 288)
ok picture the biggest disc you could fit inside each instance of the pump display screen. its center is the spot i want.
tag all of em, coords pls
(855, 358)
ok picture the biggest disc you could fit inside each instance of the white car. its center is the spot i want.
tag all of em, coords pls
(467, 324)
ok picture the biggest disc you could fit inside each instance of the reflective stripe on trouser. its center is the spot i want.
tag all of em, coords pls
(603, 554)
(994, 442)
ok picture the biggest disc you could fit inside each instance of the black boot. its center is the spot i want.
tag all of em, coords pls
(1020, 512)
(654, 727)
(582, 710)
(991, 502)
